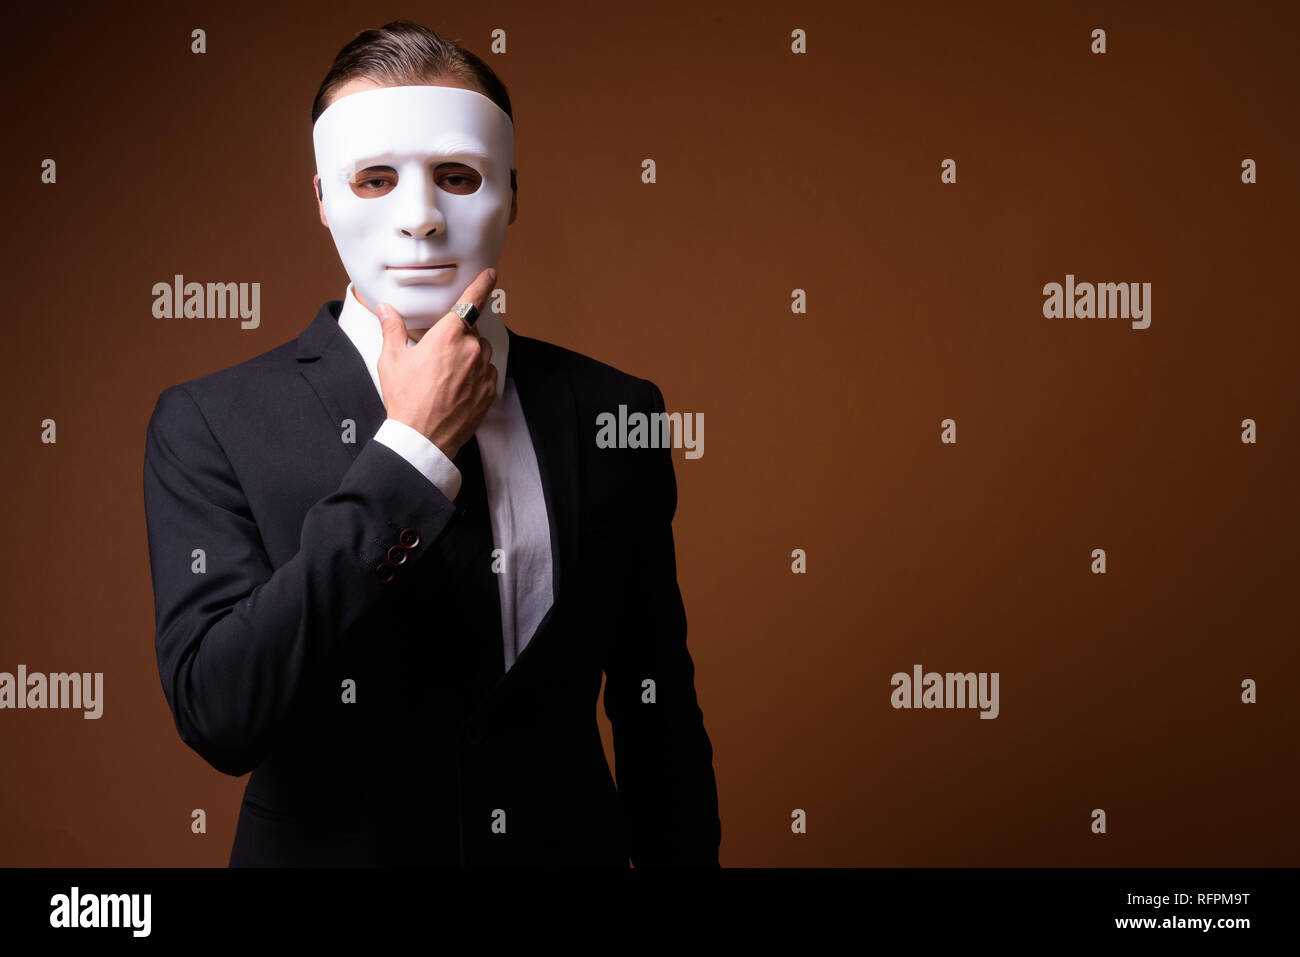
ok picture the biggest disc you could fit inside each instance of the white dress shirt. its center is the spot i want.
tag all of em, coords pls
(514, 486)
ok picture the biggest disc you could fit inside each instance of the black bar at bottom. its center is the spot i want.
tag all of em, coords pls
(187, 906)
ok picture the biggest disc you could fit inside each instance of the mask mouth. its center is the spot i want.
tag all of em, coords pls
(423, 274)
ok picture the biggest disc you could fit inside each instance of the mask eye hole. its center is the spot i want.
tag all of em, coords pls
(374, 181)
(457, 178)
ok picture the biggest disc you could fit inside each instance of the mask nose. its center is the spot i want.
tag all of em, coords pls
(420, 216)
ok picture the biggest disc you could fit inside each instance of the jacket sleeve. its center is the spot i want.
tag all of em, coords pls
(238, 642)
(663, 757)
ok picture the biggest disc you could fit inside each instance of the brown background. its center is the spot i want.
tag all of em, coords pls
(775, 172)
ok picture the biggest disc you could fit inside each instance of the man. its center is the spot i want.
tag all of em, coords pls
(390, 562)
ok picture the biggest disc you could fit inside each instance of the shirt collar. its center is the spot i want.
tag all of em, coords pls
(363, 328)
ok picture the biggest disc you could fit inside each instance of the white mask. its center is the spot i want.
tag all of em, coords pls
(419, 221)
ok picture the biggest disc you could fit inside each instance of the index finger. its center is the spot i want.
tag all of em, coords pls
(475, 295)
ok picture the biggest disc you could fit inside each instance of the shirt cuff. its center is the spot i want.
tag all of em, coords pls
(421, 453)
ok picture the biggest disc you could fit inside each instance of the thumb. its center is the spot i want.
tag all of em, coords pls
(394, 330)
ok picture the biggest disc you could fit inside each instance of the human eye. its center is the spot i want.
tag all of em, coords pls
(459, 179)
(370, 183)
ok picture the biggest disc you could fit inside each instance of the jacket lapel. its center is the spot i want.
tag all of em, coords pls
(551, 413)
(546, 397)
(329, 361)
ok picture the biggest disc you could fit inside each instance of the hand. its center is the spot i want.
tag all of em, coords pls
(443, 385)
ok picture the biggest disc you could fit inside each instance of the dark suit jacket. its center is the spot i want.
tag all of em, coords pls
(440, 747)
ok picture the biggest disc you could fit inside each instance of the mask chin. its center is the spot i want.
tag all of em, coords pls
(421, 308)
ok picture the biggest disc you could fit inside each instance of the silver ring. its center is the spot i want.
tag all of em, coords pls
(467, 311)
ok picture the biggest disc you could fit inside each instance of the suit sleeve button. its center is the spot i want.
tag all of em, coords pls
(409, 538)
(385, 572)
(397, 555)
